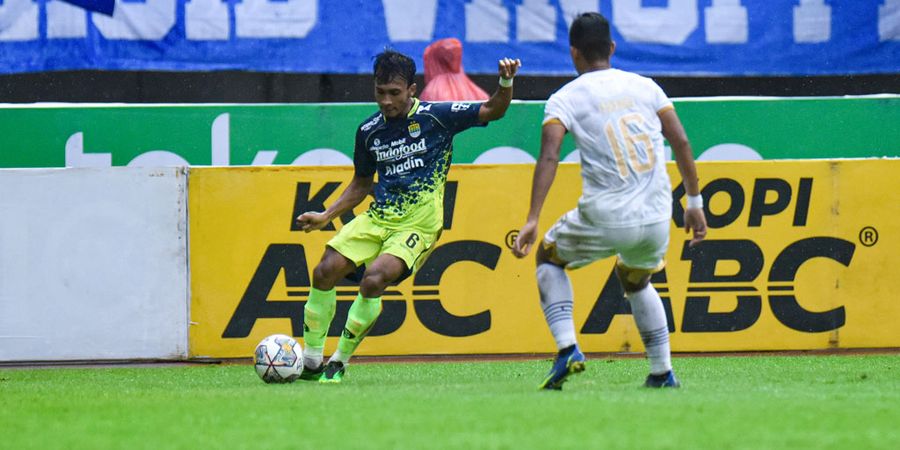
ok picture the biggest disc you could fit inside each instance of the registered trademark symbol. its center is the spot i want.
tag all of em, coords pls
(868, 236)
(511, 238)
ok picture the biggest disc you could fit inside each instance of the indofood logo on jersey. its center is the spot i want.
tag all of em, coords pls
(399, 149)
(291, 261)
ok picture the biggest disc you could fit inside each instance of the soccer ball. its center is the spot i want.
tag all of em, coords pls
(279, 359)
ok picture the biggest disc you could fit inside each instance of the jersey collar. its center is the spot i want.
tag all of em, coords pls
(414, 108)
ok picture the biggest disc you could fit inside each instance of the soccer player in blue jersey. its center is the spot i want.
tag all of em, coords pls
(408, 143)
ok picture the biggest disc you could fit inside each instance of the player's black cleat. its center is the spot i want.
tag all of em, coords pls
(334, 372)
(666, 380)
(312, 374)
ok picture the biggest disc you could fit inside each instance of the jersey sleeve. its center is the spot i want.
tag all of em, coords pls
(556, 111)
(457, 116)
(661, 102)
(363, 162)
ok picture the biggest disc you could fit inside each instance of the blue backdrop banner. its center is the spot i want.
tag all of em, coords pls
(654, 37)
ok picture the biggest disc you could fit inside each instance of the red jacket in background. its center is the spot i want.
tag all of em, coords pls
(444, 76)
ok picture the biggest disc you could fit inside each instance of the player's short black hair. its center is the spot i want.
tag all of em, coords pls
(391, 64)
(590, 35)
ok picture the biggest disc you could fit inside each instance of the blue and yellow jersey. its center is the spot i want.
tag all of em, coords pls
(412, 158)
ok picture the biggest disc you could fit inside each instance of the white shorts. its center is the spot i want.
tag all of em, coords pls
(579, 243)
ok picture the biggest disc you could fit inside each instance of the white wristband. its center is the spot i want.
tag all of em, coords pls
(506, 82)
(695, 201)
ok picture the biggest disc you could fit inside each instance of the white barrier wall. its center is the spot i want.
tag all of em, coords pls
(93, 264)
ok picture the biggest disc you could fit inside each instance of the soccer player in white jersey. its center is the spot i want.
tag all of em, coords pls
(618, 120)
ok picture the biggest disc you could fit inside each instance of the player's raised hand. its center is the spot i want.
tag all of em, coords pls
(696, 221)
(312, 220)
(508, 67)
(525, 240)
(496, 106)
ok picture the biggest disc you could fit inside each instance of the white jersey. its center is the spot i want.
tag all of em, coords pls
(614, 117)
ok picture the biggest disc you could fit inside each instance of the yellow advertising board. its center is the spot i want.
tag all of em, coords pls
(799, 256)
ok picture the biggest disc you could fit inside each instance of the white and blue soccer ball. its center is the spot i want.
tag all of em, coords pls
(279, 359)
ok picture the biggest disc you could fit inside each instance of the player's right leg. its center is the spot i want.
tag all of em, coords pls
(402, 253)
(319, 309)
(363, 313)
(637, 262)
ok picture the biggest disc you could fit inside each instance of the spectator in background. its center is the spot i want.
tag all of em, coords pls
(444, 76)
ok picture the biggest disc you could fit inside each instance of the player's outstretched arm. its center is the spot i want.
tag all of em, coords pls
(552, 135)
(495, 107)
(355, 193)
(694, 218)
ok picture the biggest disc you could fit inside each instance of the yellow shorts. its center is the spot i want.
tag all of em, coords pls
(362, 240)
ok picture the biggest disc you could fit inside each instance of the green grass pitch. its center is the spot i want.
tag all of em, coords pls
(747, 402)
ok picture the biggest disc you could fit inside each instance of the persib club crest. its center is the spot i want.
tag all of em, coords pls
(414, 129)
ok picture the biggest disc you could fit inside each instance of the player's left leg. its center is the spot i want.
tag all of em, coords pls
(569, 243)
(634, 268)
(557, 301)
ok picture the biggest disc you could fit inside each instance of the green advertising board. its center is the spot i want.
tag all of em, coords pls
(314, 134)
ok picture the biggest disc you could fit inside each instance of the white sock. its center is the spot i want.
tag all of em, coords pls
(556, 301)
(339, 357)
(312, 357)
(650, 317)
